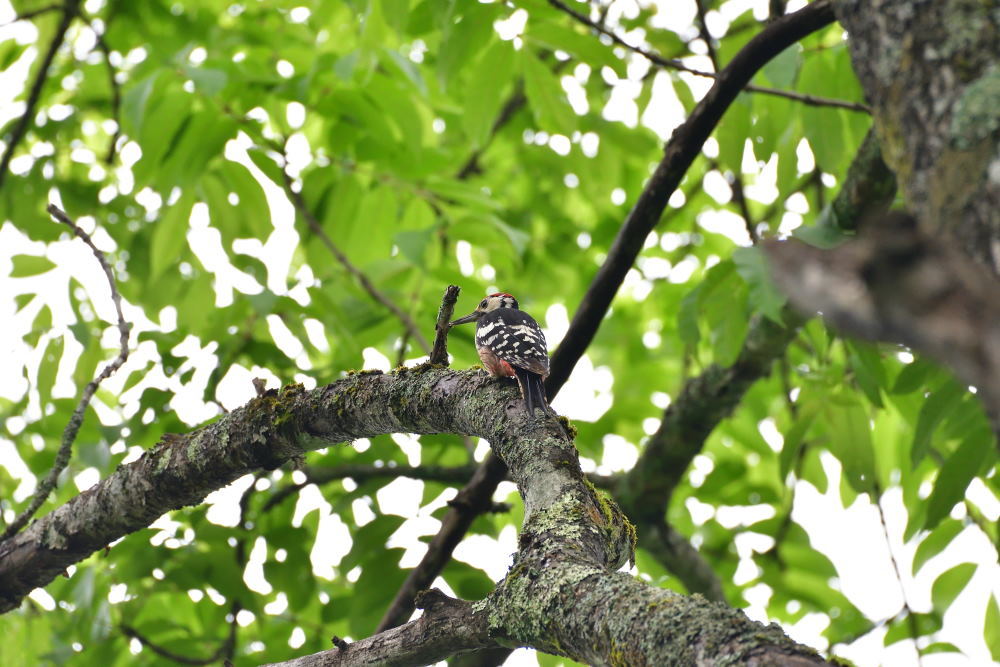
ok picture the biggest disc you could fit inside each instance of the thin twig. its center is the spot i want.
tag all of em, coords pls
(21, 129)
(811, 100)
(680, 152)
(300, 205)
(116, 93)
(439, 353)
(733, 177)
(76, 420)
(736, 185)
(706, 36)
(220, 653)
(911, 619)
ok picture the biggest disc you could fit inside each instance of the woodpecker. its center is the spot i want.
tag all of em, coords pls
(511, 344)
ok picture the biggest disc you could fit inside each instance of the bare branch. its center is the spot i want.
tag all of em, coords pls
(682, 149)
(439, 353)
(652, 56)
(680, 153)
(76, 420)
(225, 649)
(21, 129)
(116, 93)
(300, 205)
(474, 499)
(448, 626)
(895, 283)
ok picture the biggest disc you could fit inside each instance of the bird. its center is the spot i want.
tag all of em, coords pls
(511, 344)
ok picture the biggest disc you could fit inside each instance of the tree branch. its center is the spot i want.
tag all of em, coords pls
(448, 626)
(69, 11)
(472, 500)
(646, 490)
(116, 93)
(680, 152)
(300, 205)
(76, 420)
(683, 147)
(439, 353)
(668, 63)
(895, 283)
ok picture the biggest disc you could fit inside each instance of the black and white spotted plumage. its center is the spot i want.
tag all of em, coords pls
(510, 343)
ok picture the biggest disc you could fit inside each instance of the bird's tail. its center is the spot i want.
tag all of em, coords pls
(532, 390)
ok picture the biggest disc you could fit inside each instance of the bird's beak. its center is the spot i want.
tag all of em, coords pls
(471, 317)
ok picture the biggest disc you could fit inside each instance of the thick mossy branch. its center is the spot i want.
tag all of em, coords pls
(562, 595)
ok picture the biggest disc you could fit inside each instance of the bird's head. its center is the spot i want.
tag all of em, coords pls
(492, 302)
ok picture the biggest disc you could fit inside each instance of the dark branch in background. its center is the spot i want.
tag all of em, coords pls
(652, 56)
(69, 11)
(895, 283)
(645, 491)
(366, 284)
(681, 151)
(224, 652)
(683, 147)
(474, 499)
(76, 420)
(446, 627)
(219, 654)
(439, 352)
(733, 178)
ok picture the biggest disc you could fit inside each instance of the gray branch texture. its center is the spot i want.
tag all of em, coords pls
(562, 595)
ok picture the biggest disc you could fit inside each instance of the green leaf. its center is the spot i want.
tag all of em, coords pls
(913, 376)
(733, 132)
(938, 404)
(956, 475)
(252, 209)
(556, 35)
(940, 647)
(949, 584)
(764, 296)
(782, 70)
(484, 94)
(991, 629)
(822, 236)
(794, 438)
(868, 370)
(170, 235)
(49, 367)
(851, 442)
(935, 543)
(30, 265)
(134, 102)
(545, 94)
(919, 624)
(263, 160)
(207, 81)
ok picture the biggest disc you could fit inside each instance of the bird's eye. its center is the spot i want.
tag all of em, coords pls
(482, 304)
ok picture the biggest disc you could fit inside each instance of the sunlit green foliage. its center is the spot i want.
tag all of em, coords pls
(418, 135)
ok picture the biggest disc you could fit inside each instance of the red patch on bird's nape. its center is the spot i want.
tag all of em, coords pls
(502, 294)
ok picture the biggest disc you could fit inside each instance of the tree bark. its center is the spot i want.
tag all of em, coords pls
(931, 73)
(562, 595)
